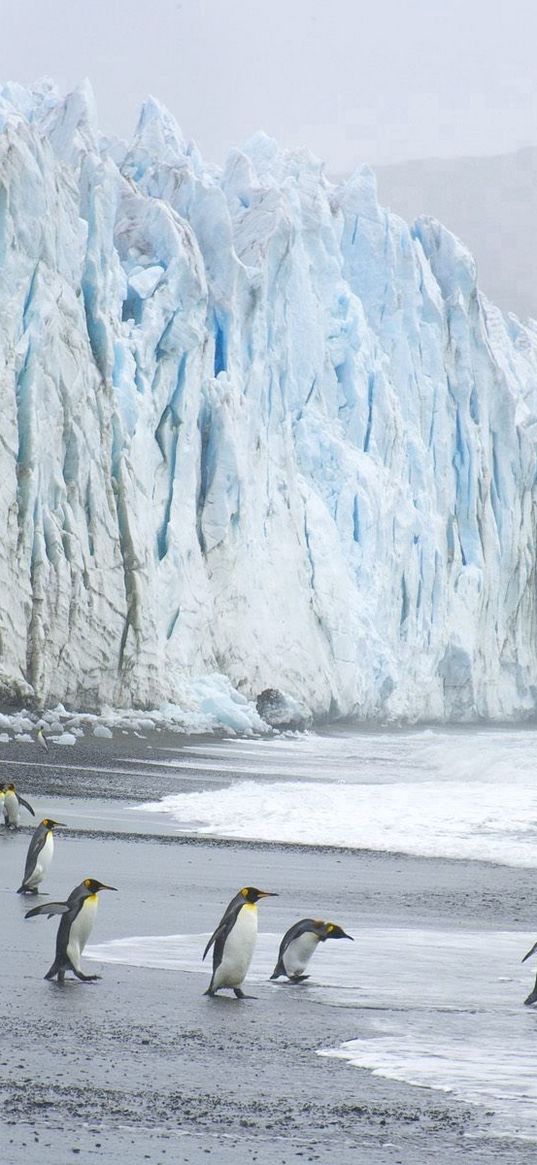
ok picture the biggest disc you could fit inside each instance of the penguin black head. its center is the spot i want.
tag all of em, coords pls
(94, 885)
(10, 788)
(50, 824)
(333, 931)
(250, 894)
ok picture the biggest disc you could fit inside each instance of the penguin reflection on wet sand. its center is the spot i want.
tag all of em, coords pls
(39, 856)
(76, 925)
(532, 997)
(234, 941)
(12, 803)
(299, 944)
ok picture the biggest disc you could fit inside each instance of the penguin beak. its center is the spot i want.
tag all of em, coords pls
(103, 886)
(267, 894)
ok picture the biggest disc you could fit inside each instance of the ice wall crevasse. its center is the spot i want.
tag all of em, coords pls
(253, 423)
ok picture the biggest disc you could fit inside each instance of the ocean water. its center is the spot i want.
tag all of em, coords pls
(440, 1008)
(456, 794)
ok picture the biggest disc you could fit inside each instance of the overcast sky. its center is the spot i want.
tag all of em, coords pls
(355, 81)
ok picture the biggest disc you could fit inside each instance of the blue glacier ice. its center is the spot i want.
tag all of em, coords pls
(253, 425)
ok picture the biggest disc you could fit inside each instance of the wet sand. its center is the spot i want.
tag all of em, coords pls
(142, 1067)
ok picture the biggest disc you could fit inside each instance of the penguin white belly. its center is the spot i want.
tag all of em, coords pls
(43, 862)
(81, 929)
(238, 949)
(11, 809)
(299, 952)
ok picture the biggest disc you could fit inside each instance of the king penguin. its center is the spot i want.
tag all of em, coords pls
(76, 925)
(234, 941)
(41, 739)
(298, 945)
(39, 856)
(12, 804)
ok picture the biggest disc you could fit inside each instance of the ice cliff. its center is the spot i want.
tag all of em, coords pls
(251, 424)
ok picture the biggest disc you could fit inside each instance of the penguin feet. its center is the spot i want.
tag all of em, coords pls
(87, 978)
(237, 991)
(298, 978)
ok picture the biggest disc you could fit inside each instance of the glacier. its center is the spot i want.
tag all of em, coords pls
(254, 427)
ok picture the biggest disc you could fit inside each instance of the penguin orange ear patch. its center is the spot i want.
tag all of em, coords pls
(330, 928)
(244, 891)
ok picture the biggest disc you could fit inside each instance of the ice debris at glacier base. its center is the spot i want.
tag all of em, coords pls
(252, 424)
(207, 705)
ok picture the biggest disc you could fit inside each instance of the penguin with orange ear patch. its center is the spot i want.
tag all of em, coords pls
(298, 945)
(234, 941)
(78, 917)
(12, 802)
(39, 856)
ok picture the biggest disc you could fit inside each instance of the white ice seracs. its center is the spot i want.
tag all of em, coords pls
(251, 425)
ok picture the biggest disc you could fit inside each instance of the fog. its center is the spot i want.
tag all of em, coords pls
(353, 81)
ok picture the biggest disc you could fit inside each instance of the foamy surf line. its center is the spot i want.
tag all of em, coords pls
(460, 819)
(456, 1024)
(332, 967)
(451, 1019)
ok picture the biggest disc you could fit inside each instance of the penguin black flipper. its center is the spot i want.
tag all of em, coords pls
(212, 940)
(25, 804)
(226, 923)
(219, 945)
(34, 849)
(532, 997)
(532, 952)
(48, 908)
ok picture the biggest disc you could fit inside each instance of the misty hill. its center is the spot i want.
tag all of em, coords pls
(490, 203)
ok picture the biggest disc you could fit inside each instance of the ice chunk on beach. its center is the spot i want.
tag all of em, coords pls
(102, 731)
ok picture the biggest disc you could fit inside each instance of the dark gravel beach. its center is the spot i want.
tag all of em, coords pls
(142, 1067)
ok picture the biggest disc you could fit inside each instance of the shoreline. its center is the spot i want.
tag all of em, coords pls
(142, 1067)
(152, 1052)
